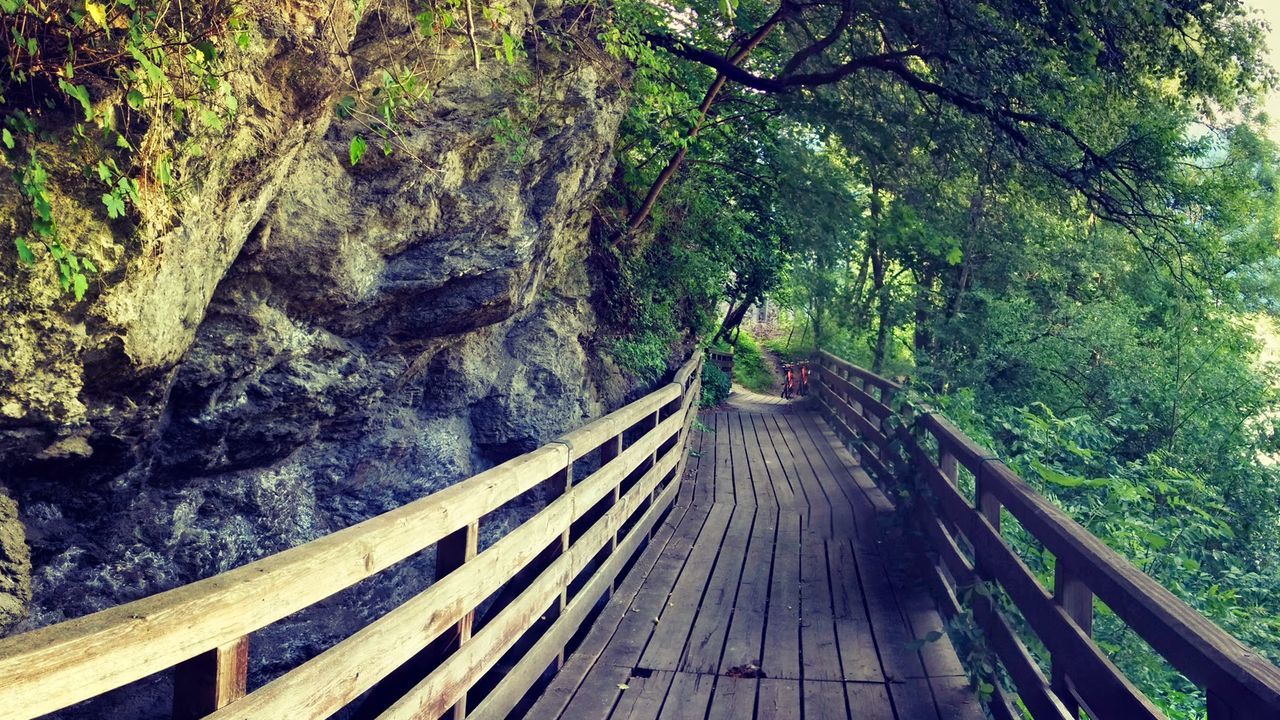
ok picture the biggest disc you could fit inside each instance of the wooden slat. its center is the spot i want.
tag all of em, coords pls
(56, 666)
(1111, 690)
(517, 681)
(1192, 643)
(328, 682)
(856, 394)
(832, 361)
(450, 682)
(566, 683)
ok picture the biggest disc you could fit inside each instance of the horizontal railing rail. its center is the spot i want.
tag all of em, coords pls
(577, 545)
(966, 541)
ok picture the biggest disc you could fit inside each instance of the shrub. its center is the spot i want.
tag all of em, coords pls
(715, 385)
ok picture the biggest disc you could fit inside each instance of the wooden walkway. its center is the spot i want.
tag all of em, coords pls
(769, 592)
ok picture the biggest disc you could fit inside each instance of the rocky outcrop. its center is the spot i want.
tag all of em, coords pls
(295, 344)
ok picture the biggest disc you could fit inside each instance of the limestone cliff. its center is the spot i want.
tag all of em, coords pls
(292, 344)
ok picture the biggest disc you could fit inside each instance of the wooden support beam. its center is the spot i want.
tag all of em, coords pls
(211, 680)
(452, 553)
(1077, 600)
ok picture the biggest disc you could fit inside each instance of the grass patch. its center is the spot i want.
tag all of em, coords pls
(750, 370)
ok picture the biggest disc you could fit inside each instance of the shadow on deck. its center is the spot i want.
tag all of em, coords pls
(771, 591)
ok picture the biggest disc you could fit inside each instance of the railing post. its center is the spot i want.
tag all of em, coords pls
(452, 552)
(609, 450)
(560, 483)
(211, 680)
(1077, 600)
(947, 462)
(652, 423)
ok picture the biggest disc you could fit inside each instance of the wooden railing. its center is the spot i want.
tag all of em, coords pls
(961, 547)
(567, 557)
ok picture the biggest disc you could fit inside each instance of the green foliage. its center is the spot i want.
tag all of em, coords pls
(750, 368)
(113, 67)
(715, 385)
(644, 355)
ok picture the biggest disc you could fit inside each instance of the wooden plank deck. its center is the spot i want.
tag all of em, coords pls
(767, 593)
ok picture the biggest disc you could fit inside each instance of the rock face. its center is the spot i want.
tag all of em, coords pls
(296, 344)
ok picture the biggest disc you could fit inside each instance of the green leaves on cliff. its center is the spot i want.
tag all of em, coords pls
(117, 68)
(356, 150)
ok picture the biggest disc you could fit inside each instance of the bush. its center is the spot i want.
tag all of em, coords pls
(644, 356)
(715, 385)
(750, 369)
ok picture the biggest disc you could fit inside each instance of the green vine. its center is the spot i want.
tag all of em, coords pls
(108, 71)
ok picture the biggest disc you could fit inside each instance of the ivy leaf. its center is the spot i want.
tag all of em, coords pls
(7, 138)
(1063, 479)
(24, 251)
(356, 150)
(81, 93)
(345, 107)
(98, 12)
(115, 205)
(135, 99)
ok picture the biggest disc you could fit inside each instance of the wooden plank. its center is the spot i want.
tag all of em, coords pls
(706, 641)
(913, 699)
(628, 641)
(782, 629)
(954, 698)
(528, 671)
(744, 642)
(779, 480)
(817, 517)
(744, 490)
(755, 465)
(568, 680)
(824, 699)
(723, 472)
(869, 701)
(893, 636)
(688, 697)
(211, 680)
(821, 659)
(587, 438)
(829, 472)
(642, 697)
(854, 638)
(704, 483)
(778, 700)
(675, 621)
(733, 699)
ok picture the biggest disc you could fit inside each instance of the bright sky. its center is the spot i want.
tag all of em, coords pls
(1270, 11)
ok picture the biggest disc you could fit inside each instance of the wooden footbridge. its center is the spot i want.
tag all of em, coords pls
(751, 566)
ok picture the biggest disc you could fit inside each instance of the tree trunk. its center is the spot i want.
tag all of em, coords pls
(732, 320)
(878, 285)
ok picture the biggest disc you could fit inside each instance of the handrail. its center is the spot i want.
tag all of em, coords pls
(202, 628)
(1238, 682)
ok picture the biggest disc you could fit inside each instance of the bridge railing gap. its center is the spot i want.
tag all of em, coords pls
(548, 575)
(967, 562)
